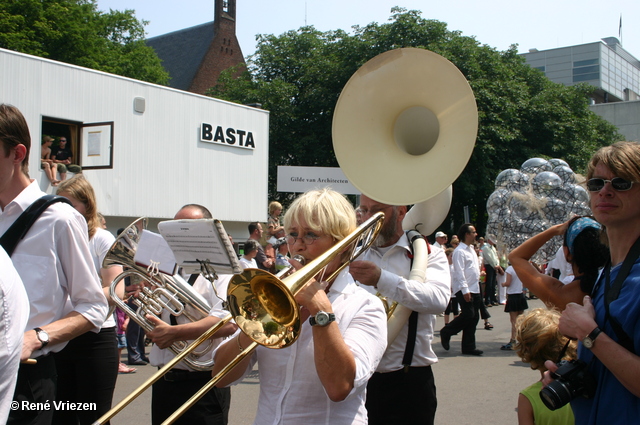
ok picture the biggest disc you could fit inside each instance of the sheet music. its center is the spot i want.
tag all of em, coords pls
(154, 253)
(193, 241)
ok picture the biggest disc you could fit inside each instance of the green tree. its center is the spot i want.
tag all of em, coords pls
(76, 32)
(299, 75)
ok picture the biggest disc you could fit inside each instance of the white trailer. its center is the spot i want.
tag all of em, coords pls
(146, 149)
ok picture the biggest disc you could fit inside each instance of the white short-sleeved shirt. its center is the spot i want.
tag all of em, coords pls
(248, 264)
(516, 284)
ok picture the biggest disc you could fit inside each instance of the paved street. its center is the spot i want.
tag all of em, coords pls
(471, 390)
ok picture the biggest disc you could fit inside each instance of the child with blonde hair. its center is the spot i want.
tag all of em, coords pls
(538, 339)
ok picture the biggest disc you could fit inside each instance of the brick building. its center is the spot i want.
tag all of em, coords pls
(195, 57)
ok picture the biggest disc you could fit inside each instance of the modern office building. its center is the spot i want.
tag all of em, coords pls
(606, 65)
(603, 64)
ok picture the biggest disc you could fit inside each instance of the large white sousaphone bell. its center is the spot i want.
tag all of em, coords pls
(404, 127)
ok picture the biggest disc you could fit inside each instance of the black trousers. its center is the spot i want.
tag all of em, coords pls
(402, 398)
(36, 383)
(491, 285)
(135, 339)
(87, 372)
(466, 321)
(176, 387)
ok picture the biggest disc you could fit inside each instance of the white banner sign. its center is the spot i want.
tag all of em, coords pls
(301, 179)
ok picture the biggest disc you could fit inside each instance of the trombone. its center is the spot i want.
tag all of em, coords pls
(264, 308)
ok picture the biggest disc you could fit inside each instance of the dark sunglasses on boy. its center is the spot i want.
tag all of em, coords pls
(618, 183)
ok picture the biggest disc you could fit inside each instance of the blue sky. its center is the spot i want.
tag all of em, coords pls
(542, 24)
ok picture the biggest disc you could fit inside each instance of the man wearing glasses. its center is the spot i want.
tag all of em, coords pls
(62, 156)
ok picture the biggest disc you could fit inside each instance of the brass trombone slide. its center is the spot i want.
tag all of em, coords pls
(271, 293)
(161, 372)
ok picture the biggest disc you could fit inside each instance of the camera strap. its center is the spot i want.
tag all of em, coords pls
(612, 291)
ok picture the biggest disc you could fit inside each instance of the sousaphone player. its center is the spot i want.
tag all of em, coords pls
(422, 138)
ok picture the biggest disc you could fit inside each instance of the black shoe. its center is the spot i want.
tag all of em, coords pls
(138, 363)
(444, 340)
(473, 352)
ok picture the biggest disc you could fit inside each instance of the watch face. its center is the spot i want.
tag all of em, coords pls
(322, 318)
(587, 342)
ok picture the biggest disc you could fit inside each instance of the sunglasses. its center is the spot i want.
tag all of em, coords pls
(618, 183)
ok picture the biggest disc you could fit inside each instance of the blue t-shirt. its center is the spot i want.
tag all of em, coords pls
(612, 403)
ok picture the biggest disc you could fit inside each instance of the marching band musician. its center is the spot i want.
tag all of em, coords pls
(402, 391)
(54, 262)
(321, 378)
(178, 385)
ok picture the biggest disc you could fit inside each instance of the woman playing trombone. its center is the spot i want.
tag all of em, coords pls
(322, 377)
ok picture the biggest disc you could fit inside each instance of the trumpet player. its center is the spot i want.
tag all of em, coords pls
(321, 378)
(403, 391)
(179, 384)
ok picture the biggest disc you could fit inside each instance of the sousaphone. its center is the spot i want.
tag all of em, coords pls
(404, 128)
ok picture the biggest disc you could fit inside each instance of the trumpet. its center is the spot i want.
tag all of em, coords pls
(264, 307)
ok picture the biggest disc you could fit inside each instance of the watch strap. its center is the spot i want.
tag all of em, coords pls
(590, 339)
(594, 334)
(313, 322)
(44, 342)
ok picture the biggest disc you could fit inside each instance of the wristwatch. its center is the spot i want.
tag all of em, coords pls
(322, 318)
(43, 337)
(590, 339)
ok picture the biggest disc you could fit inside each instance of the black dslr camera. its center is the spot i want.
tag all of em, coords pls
(572, 379)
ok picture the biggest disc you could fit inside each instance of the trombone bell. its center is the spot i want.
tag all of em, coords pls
(264, 308)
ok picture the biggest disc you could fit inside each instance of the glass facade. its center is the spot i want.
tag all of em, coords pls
(604, 65)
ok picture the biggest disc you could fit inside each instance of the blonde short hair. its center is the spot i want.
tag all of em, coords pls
(273, 206)
(539, 339)
(325, 211)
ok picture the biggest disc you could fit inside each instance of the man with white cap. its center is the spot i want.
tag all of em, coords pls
(441, 240)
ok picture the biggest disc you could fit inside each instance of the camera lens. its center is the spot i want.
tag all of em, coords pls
(555, 395)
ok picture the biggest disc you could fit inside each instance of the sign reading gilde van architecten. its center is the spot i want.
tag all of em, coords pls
(301, 179)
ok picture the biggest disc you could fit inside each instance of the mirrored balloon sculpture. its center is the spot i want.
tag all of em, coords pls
(529, 200)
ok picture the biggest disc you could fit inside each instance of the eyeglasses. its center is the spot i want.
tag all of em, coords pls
(308, 239)
(618, 183)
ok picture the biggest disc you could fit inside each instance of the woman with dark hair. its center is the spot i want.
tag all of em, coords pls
(583, 249)
(88, 366)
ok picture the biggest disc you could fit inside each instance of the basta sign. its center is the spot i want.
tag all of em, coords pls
(230, 136)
